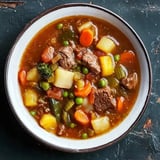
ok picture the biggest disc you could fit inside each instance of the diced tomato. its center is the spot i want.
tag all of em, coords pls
(99, 53)
(90, 77)
(55, 93)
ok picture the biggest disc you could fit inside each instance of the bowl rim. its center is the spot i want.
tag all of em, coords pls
(78, 5)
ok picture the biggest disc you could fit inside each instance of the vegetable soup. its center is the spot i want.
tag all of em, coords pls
(79, 77)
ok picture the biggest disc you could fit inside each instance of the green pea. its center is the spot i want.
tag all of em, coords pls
(44, 85)
(79, 100)
(117, 57)
(33, 113)
(71, 95)
(85, 70)
(60, 26)
(65, 94)
(84, 135)
(102, 83)
(72, 125)
(65, 43)
(78, 68)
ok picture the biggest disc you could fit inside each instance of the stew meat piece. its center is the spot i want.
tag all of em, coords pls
(89, 59)
(67, 60)
(130, 81)
(104, 100)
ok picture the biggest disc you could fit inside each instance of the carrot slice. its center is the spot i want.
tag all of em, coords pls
(47, 54)
(86, 37)
(127, 57)
(22, 74)
(81, 117)
(84, 92)
(120, 103)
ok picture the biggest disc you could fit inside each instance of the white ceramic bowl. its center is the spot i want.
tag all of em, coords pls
(13, 89)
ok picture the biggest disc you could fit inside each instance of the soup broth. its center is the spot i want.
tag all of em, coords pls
(79, 77)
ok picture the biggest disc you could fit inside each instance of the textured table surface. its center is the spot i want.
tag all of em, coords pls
(142, 143)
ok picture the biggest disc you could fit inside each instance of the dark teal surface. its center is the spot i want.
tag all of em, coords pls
(140, 143)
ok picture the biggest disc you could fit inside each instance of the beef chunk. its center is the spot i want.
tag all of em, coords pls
(89, 59)
(104, 100)
(67, 60)
(130, 81)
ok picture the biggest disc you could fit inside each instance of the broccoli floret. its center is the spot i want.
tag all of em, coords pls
(45, 70)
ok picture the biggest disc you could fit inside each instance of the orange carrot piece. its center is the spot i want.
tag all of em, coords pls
(47, 54)
(91, 96)
(22, 74)
(127, 57)
(81, 117)
(86, 37)
(84, 92)
(120, 103)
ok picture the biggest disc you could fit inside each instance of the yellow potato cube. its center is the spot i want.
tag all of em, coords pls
(33, 75)
(30, 98)
(100, 124)
(48, 122)
(107, 65)
(106, 45)
(63, 78)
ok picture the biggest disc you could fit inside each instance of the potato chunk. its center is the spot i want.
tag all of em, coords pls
(48, 122)
(63, 78)
(85, 25)
(33, 75)
(106, 44)
(100, 124)
(107, 65)
(30, 98)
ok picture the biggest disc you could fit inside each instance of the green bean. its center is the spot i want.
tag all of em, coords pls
(69, 105)
(113, 82)
(66, 118)
(56, 108)
(71, 95)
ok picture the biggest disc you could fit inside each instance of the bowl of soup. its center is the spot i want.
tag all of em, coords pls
(78, 77)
